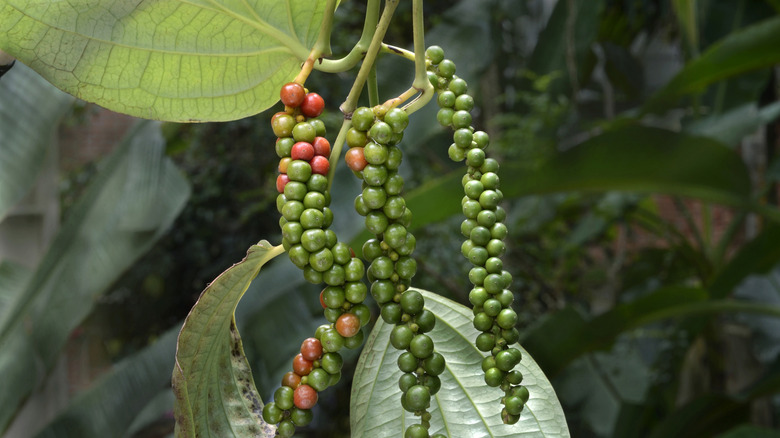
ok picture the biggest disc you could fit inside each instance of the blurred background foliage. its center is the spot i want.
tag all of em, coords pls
(638, 142)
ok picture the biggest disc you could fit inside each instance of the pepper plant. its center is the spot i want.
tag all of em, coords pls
(429, 366)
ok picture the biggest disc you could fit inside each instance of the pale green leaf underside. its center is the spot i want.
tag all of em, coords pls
(212, 382)
(465, 406)
(177, 60)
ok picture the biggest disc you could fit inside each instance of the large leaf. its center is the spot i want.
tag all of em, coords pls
(98, 241)
(563, 336)
(732, 126)
(566, 41)
(465, 406)
(165, 59)
(29, 110)
(215, 392)
(640, 159)
(752, 48)
(110, 405)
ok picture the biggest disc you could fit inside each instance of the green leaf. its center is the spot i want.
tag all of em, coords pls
(732, 126)
(94, 246)
(561, 337)
(13, 279)
(685, 12)
(111, 403)
(171, 60)
(749, 49)
(750, 431)
(29, 111)
(464, 406)
(566, 41)
(212, 382)
(639, 159)
(758, 256)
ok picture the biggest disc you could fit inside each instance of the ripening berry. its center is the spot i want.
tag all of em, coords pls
(302, 151)
(305, 397)
(291, 380)
(312, 105)
(319, 165)
(348, 325)
(292, 94)
(281, 181)
(321, 146)
(311, 349)
(302, 366)
(355, 159)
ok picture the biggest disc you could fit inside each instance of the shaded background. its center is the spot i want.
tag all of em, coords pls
(644, 298)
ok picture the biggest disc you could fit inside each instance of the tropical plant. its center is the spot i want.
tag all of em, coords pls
(222, 61)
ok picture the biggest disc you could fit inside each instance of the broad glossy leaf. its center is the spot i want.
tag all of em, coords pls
(172, 60)
(639, 159)
(212, 382)
(29, 110)
(95, 245)
(749, 49)
(465, 406)
(111, 404)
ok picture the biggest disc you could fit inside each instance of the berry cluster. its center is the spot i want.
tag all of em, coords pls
(374, 157)
(484, 231)
(303, 202)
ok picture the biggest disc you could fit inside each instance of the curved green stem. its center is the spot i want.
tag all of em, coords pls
(335, 151)
(322, 46)
(421, 82)
(361, 47)
(350, 103)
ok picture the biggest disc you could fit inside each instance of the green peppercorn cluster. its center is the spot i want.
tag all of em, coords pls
(303, 202)
(485, 232)
(375, 157)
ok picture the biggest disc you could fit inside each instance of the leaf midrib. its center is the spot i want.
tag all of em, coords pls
(471, 344)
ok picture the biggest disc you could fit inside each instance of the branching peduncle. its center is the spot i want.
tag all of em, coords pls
(361, 47)
(350, 103)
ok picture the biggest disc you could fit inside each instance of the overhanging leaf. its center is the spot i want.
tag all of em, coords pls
(212, 382)
(465, 405)
(92, 249)
(750, 49)
(29, 110)
(165, 59)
